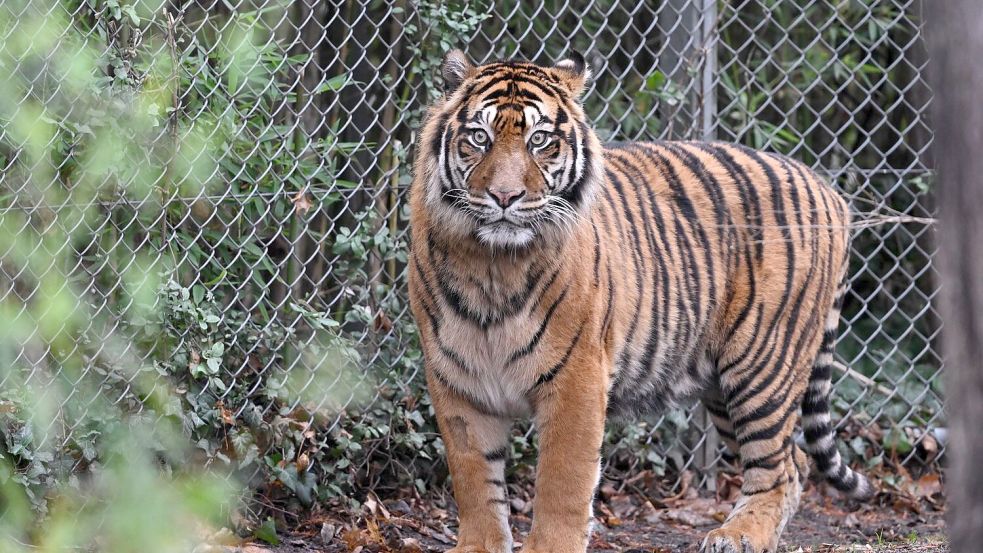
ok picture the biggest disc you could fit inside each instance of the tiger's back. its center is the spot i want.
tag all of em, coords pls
(552, 277)
(702, 240)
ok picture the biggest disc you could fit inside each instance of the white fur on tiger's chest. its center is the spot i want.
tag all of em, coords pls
(492, 377)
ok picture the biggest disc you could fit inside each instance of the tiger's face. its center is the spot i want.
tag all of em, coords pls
(513, 159)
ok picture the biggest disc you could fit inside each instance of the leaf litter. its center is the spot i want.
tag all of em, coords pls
(906, 517)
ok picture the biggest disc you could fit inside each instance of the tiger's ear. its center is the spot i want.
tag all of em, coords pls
(574, 73)
(454, 69)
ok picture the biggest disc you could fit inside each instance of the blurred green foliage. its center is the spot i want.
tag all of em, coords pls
(92, 453)
(162, 341)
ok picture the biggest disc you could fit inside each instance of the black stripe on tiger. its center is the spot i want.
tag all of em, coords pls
(551, 373)
(538, 335)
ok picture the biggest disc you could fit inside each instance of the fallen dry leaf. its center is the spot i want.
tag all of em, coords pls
(621, 506)
(850, 521)
(303, 461)
(687, 517)
(607, 491)
(729, 486)
(648, 513)
(685, 479)
(410, 545)
(226, 415)
(353, 538)
(302, 204)
(376, 508)
(327, 532)
(382, 322)
(931, 447)
(928, 486)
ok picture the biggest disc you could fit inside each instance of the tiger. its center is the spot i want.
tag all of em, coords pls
(557, 279)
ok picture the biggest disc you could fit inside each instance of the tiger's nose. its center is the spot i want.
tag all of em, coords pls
(506, 197)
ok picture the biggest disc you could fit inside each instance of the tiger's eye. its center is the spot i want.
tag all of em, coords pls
(479, 137)
(538, 138)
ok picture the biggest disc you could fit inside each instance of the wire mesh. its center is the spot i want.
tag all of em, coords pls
(282, 251)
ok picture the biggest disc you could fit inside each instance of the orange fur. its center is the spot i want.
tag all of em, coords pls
(621, 280)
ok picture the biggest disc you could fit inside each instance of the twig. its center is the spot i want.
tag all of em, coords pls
(875, 220)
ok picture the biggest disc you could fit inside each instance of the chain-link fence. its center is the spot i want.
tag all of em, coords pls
(259, 186)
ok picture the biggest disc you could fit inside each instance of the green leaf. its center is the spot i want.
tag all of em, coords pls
(198, 293)
(197, 370)
(656, 80)
(267, 532)
(217, 384)
(336, 83)
(896, 440)
(217, 279)
(130, 11)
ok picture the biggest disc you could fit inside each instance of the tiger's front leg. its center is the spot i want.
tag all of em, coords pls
(570, 415)
(477, 447)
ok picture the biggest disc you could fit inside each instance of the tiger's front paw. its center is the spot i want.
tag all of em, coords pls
(479, 549)
(468, 549)
(554, 546)
(492, 545)
(537, 550)
(727, 540)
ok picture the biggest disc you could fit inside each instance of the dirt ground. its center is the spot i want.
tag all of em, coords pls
(894, 523)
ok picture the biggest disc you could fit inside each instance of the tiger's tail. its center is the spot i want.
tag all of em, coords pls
(820, 437)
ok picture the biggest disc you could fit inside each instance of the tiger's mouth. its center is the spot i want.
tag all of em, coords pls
(505, 233)
(505, 223)
(503, 220)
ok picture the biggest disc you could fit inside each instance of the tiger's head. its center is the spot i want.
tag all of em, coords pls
(507, 156)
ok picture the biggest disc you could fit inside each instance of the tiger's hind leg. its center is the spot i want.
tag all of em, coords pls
(758, 519)
(717, 409)
(761, 403)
